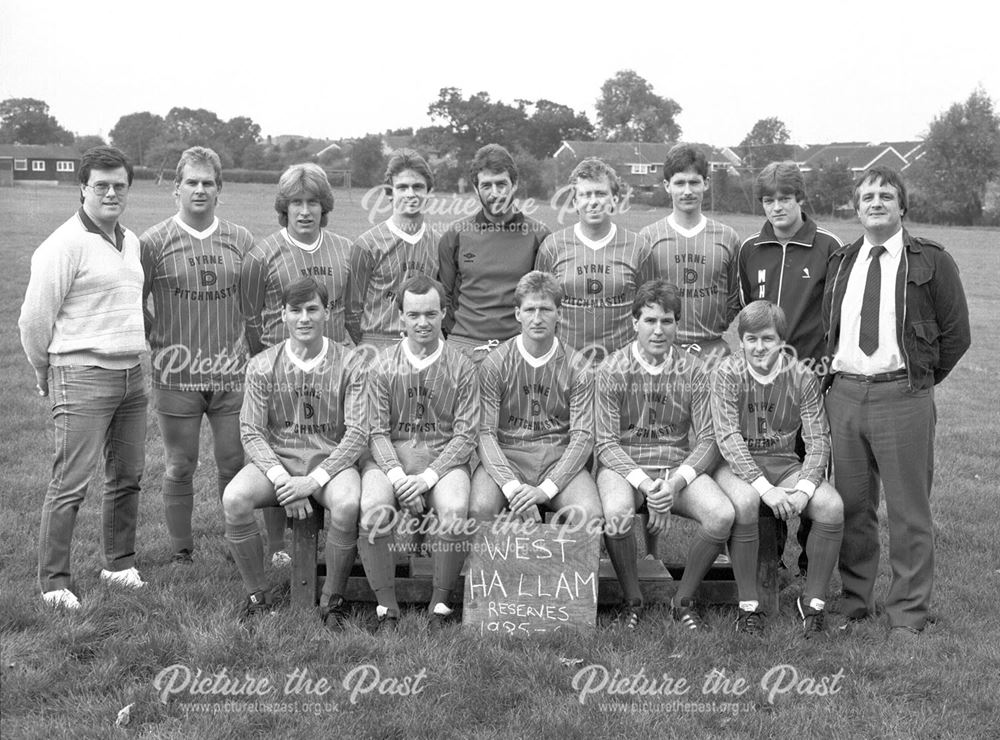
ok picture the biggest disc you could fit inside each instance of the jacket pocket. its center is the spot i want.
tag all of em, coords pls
(926, 344)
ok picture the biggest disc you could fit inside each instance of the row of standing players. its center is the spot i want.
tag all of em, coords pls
(479, 259)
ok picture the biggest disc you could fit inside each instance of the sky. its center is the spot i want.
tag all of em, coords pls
(853, 70)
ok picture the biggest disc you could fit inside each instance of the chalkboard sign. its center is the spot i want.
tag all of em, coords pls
(528, 578)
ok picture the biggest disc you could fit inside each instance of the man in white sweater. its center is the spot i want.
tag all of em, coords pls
(82, 330)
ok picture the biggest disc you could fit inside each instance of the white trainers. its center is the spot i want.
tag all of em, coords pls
(281, 559)
(63, 597)
(128, 578)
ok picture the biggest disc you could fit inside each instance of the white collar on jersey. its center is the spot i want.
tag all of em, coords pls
(408, 238)
(536, 362)
(422, 363)
(307, 365)
(302, 245)
(769, 378)
(197, 234)
(652, 369)
(687, 233)
(600, 243)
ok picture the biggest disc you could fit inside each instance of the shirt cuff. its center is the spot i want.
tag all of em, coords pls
(549, 488)
(320, 476)
(395, 475)
(687, 473)
(430, 478)
(762, 485)
(509, 487)
(807, 487)
(275, 473)
(636, 477)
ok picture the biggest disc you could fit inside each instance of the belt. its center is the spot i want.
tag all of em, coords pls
(877, 378)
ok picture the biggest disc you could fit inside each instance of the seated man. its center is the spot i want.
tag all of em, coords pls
(424, 406)
(761, 399)
(650, 394)
(536, 432)
(303, 429)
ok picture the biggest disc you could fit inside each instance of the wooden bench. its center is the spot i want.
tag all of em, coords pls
(658, 582)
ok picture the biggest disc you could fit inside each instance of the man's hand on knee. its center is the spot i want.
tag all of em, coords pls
(299, 509)
(295, 488)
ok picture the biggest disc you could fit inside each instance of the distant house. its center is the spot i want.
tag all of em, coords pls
(38, 163)
(639, 164)
(859, 156)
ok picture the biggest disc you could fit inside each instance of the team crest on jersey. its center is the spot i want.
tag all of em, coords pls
(308, 411)
(419, 411)
(690, 276)
(805, 274)
(208, 277)
(468, 257)
(594, 286)
(536, 407)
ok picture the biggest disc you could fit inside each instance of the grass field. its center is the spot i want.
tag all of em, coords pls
(69, 674)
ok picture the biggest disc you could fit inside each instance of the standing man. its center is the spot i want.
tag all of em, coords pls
(762, 400)
(385, 256)
(302, 248)
(192, 265)
(424, 407)
(897, 324)
(303, 427)
(82, 330)
(481, 257)
(538, 417)
(597, 264)
(785, 263)
(651, 397)
(697, 254)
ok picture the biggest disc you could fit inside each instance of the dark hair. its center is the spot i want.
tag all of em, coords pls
(407, 159)
(307, 179)
(657, 292)
(303, 290)
(537, 282)
(882, 175)
(594, 169)
(760, 315)
(493, 158)
(102, 158)
(780, 178)
(419, 284)
(684, 157)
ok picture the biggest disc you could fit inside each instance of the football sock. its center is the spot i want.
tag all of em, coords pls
(823, 548)
(744, 545)
(704, 549)
(341, 549)
(380, 568)
(178, 505)
(623, 553)
(448, 561)
(247, 548)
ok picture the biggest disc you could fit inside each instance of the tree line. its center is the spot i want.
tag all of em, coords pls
(951, 180)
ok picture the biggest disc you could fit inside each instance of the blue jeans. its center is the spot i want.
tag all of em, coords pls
(94, 409)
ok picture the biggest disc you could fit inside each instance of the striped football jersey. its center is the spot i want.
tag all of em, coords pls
(643, 418)
(599, 285)
(304, 414)
(381, 261)
(196, 327)
(702, 264)
(431, 403)
(756, 419)
(275, 263)
(526, 406)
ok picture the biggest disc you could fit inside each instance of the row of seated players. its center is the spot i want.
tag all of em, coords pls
(369, 437)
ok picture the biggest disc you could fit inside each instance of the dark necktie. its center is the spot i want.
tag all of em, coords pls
(868, 336)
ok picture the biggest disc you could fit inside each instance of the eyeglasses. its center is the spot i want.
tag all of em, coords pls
(102, 188)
